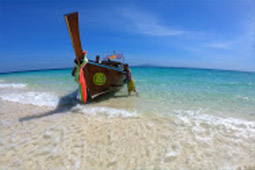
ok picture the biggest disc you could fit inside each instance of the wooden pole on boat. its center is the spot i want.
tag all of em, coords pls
(72, 22)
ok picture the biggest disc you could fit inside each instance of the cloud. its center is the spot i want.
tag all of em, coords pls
(146, 23)
(220, 44)
(243, 40)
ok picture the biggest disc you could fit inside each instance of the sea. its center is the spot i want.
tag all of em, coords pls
(193, 118)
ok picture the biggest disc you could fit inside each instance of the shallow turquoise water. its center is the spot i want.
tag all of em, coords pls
(162, 91)
(192, 89)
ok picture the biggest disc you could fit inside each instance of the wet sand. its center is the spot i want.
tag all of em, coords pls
(74, 140)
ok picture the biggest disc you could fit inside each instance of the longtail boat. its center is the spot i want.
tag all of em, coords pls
(95, 79)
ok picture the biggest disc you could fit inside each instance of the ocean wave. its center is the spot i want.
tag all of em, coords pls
(200, 123)
(34, 98)
(12, 85)
(106, 111)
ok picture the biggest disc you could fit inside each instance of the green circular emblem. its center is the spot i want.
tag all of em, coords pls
(99, 79)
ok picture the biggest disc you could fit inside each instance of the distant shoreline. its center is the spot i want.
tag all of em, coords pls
(46, 69)
(135, 66)
(191, 68)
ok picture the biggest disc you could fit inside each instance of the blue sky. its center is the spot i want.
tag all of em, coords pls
(183, 33)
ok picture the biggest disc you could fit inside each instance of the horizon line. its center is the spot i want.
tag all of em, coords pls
(141, 66)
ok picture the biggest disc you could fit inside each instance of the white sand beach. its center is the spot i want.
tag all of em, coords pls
(75, 140)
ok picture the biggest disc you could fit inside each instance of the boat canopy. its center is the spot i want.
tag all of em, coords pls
(114, 56)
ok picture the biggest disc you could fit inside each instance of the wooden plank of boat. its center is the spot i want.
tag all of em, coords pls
(73, 28)
(101, 78)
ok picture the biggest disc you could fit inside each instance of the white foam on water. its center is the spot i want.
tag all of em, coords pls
(12, 85)
(233, 137)
(107, 111)
(34, 98)
(197, 120)
(242, 97)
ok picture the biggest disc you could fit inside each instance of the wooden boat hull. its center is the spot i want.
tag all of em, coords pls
(101, 79)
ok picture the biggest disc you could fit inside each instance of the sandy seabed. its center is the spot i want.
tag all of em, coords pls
(79, 141)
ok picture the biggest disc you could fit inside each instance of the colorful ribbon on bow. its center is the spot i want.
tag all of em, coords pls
(81, 80)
